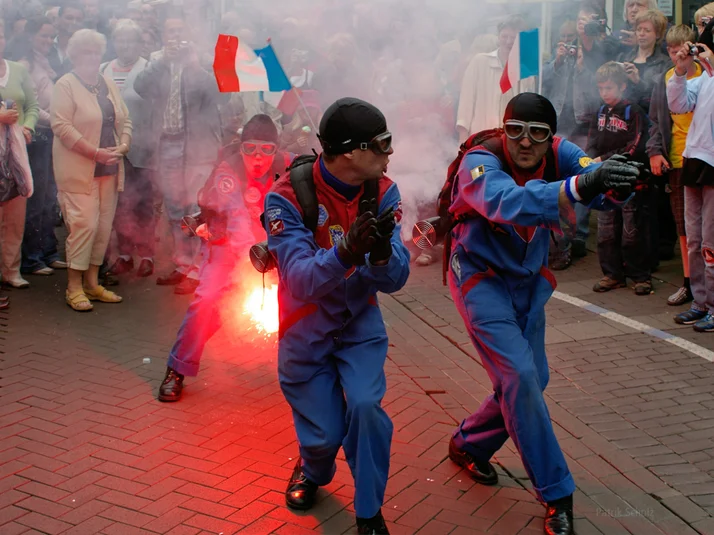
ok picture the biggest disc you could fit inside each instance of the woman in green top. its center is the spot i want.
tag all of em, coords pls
(15, 86)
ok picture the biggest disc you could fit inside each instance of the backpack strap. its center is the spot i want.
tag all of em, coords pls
(303, 185)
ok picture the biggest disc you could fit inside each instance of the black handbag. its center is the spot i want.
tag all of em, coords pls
(8, 184)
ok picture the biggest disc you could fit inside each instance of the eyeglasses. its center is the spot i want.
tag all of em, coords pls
(536, 132)
(380, 144)
(251, 147)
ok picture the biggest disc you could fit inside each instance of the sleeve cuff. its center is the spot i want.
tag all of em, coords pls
(343, 264)
(571, 189)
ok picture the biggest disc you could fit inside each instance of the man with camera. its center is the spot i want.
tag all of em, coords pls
(333, 341)
(185, 100)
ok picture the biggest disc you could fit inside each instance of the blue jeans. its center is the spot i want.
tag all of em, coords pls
(582, 229)
(39, 243)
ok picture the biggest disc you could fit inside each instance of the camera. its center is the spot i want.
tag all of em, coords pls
(596, 27)
(572, 50)
(695, 50)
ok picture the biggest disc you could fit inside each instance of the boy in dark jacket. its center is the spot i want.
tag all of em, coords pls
(668, 136)
(620, 127)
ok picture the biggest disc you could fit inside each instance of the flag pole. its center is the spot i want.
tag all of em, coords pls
(297, 93)
(541, 48)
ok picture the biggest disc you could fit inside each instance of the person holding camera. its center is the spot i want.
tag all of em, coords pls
(668, 136)
(184, 98)
(697, 95)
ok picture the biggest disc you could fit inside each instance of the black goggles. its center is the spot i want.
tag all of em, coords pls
(251, 147)
(536, 132)
(380, 144)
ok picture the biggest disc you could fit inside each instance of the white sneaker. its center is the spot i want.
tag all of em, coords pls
(58, 264)
(44, 271)
(18, 282)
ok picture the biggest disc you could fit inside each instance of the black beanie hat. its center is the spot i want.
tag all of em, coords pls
(531, 107)
(260, 128)
(349, 122)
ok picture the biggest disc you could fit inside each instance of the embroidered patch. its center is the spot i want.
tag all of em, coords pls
(276, 227)
(477, 172)
(252, 195)
(226, 185)
(273, 213)
(322, 215)
(585, 161)
(336, 233)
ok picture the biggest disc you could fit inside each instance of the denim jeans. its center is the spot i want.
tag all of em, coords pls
(582, 229)
(39, 243)
(179, 185)
(623, 240)
(699, 222)
(134, 221)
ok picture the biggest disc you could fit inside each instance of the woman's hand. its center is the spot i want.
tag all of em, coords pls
(122, 149)
(9, 116)
(107, 156)
(302, 142)
(632, 73)
(658, 164)
(28, 134)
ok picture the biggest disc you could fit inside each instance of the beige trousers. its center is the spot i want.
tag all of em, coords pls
(89, 219)
(12, 227)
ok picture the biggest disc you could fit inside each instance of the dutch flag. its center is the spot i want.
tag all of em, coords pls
(240, 68)
(523, 61)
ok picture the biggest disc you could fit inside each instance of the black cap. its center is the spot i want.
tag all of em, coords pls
(349, 122)
(531, 107)
(260, 128)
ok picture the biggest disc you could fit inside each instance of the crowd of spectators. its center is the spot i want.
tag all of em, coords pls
(124, 122)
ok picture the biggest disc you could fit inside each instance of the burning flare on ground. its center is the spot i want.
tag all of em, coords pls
(261, 306)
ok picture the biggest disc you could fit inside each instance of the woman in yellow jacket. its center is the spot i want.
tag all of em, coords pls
(92, 134)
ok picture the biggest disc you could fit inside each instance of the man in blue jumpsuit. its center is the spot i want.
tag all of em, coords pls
(333, 342)
(509, 198)
(235, 191)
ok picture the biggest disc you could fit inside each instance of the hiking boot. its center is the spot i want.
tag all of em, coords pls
(690, 317)
(606, 284)
(562, 261)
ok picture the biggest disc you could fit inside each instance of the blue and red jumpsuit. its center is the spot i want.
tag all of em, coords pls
(221, 265)
(500, 283)
(333, 342)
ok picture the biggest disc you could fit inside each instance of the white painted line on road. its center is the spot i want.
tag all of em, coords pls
(638, 326)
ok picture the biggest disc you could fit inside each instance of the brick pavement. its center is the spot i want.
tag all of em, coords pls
(85, 448)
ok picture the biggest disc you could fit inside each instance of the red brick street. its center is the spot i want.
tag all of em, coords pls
(85, 447)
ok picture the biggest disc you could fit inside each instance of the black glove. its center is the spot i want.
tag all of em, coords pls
(617, 176)
(382, 249)
(361, 237)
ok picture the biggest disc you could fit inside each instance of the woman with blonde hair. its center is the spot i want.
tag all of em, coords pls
(703, 16)
(92, 134)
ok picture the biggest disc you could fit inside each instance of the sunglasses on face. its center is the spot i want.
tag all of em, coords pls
(251, 147)
(536, 132)
(380, 144)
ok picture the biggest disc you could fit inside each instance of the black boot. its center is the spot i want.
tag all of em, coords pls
(301, 492)
(482, 471)
(372, 526)
(171, 387)
(559, 517)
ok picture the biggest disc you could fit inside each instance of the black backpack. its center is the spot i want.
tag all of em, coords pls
(304, 187)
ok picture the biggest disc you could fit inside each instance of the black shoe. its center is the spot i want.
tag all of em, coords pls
(122, 266)
(372, 526)
(171, 387)
(171, 279)
(561, 262)
(146, 268)
(301, 492)
(559, 517)
(578, 249)
(482, 472)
